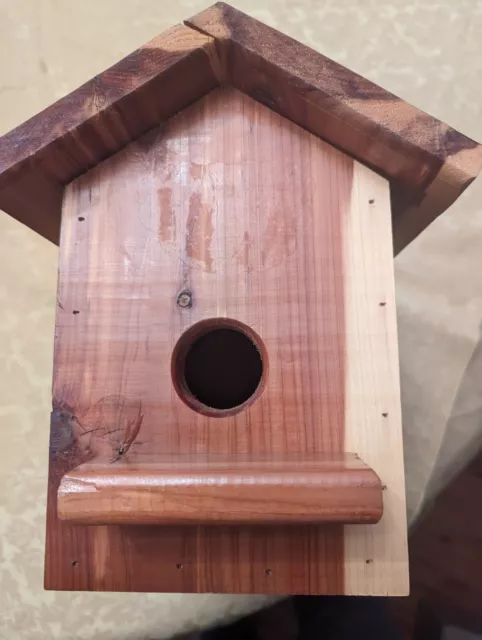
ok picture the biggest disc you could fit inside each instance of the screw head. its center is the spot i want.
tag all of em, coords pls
(184, 299)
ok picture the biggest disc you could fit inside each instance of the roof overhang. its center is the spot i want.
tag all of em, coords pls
(427, 162)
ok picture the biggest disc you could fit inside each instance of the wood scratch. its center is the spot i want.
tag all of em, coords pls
(130, 434)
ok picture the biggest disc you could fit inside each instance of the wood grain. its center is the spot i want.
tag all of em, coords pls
(42, 155)
(217, 489)
(428, 162)
(248, 213)
(372, 383)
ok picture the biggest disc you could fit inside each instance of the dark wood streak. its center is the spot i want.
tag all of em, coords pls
(64, 453)
(428, 161)
(61, 433)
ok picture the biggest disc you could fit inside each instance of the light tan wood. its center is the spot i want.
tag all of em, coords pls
(373, 425)
(256, 218)
(222, 489)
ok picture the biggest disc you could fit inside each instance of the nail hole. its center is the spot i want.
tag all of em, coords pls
(268, 572)
(369, 561)
(81, 218)
(384, 487)
(75, 312)
(179, 566)
(382, 304)
(371, 201)
(385, 415)
(75, 563)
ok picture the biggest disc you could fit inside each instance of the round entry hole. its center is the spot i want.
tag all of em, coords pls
(219, 367)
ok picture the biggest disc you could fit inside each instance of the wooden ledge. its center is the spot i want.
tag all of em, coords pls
(217, 489)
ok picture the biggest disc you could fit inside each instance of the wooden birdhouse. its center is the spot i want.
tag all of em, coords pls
(226, 405)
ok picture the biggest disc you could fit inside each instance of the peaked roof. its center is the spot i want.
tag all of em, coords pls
(428, 163)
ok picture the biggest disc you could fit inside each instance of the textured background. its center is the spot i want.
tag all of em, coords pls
(427, 51)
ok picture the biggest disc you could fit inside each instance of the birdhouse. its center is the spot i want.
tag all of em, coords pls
(226, 399)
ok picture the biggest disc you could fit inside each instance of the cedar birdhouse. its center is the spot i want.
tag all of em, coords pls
(226, 407)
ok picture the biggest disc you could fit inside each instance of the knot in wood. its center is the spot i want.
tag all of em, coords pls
(184, 299)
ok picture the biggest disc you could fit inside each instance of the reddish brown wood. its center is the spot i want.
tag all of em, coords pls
(222, 489)
(428, 162)
(42, 155)
(227, 211)
(212, 205)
